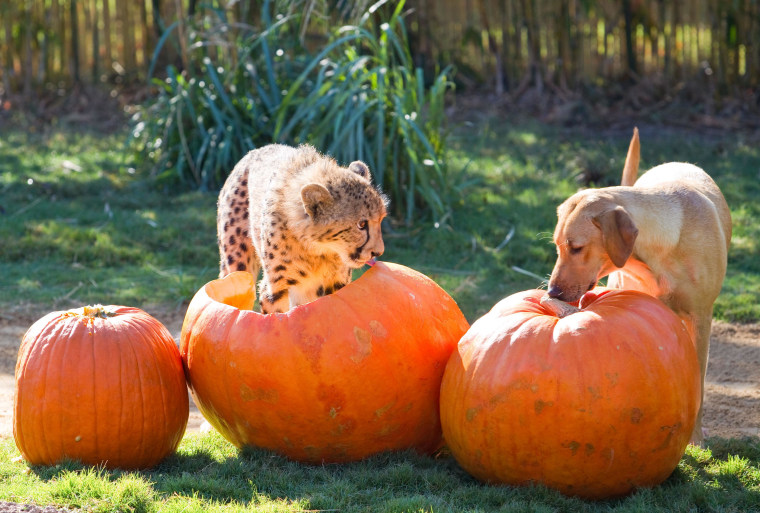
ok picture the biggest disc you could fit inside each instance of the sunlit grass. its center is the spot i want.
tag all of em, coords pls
(209, 474)
(101, 235)
(60, 245)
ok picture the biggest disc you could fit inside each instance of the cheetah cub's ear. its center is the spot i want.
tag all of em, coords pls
(316, 199)
(360, 168)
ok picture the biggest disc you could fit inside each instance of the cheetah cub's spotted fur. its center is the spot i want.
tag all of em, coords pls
(301, 218)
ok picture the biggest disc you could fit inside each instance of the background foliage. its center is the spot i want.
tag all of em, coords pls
(358, 97)
(80, 225)
(238, 74)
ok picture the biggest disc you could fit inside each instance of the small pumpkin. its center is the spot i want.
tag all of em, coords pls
(593, 404)
(351, 374)
(101, 385)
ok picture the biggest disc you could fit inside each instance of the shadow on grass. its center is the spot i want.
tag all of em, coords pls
(724, 476)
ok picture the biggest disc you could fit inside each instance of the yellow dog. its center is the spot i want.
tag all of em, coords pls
(673, 219)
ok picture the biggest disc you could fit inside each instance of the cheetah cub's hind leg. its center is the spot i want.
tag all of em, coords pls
(236, 252)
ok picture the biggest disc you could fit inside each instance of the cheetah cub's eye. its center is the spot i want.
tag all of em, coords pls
(362, 225)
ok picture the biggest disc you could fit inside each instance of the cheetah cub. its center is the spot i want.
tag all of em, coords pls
(300, 217)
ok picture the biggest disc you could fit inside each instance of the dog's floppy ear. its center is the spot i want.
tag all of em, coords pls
(618, 234)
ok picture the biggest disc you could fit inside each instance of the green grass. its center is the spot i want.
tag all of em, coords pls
(97, 234)
(515, 174)
(94, 233)
(208, 474)
(101, 235)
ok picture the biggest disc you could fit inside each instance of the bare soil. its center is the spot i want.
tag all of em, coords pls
(732, 405)
(12, 507)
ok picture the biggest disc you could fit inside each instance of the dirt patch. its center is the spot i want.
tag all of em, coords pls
(732, 405)
(12, 507)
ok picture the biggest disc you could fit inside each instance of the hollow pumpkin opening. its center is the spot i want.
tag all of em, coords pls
(238, 290)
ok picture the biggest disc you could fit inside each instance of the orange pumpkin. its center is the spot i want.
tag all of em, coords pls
(351, 374)
(101, 385)
(593, 404)
(636, 275)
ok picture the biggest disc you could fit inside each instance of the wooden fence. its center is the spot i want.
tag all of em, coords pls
(514, 43)
(505, 44)
(52, 42)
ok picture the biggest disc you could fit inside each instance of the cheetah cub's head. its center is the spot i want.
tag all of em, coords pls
(345, 213)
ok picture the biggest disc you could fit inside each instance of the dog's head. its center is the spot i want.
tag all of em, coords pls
(594, 235)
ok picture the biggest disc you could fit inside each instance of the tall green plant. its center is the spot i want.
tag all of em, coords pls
(358, 96)
(203, 119)
(370, 102)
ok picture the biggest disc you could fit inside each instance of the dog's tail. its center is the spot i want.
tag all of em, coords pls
(631, 168)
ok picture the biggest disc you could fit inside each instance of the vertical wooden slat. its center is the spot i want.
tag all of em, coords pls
(8, 68)
(74, 59)
(629, 29)
(95, 27)
(107, 36)
(85, 31)
(735, 46)
(146, 37)
(715, 42)
(534, 44)
(753, 46)
(562, 40)
(493, 47)
(582, 23)
(126, 48)
(27, 41)
(507, 25)
(722, 62)
(667, 30)
(45, 65)
(696, 20)
(181, 27)
(654, 35)
(55, 43)
(65, 36)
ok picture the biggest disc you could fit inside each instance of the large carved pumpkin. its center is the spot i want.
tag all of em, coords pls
(338, 379)
(593, 404)
(102, 385)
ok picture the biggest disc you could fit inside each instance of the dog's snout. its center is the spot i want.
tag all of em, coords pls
(555, 292)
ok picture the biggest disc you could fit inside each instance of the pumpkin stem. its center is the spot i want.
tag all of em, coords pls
(557, 307)
(96, 311)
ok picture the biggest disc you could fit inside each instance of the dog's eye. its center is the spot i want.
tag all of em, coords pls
(576, 250)
(362, 225)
